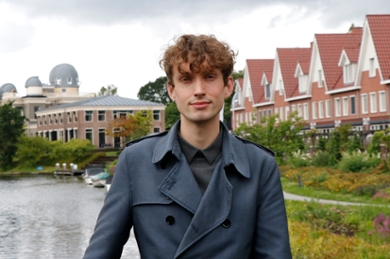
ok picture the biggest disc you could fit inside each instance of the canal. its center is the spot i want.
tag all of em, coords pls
(47, 216)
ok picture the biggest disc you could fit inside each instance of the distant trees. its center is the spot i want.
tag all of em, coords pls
(130, 127)
(108, 90)
(11, 128)
(155, 91)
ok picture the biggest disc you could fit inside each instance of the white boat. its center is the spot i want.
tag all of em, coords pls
(92, 171)
(100, 179)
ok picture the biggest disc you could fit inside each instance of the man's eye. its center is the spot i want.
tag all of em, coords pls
(185, 79)
(210, 76)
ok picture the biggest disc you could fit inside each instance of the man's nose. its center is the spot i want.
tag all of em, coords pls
(199, 86)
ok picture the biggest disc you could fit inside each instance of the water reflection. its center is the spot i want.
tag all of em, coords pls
(44, 216)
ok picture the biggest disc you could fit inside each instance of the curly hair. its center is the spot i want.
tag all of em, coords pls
(195, 50)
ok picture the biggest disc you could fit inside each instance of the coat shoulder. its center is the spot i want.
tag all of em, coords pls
(267, 150)
(150, 136)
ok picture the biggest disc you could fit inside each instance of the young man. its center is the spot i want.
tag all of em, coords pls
(197, 191)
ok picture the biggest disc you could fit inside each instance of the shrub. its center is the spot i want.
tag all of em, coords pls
(382, 226)
(322, 159)
(358, 161)
(299, 159)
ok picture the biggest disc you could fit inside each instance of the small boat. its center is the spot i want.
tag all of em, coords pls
(107, 185)
(91, 171)
(100, 179)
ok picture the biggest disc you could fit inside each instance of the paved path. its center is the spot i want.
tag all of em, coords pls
(289, 196)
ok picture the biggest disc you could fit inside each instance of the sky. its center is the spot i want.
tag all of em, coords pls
(120, 42)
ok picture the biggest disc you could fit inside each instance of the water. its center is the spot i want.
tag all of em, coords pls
(46, 216)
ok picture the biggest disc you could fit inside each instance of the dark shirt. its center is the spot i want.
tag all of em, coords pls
(202, 162)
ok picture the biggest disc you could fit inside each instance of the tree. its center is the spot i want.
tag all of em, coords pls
(172, 115)
(155, 91)
(130, 127)
(32, 151)
(11, 128)
(283, 138)
(109, 90)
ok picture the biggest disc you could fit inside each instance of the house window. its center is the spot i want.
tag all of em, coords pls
(276, 111)
(88, 115)
(36, 108)
(44, 120)
(302, 83)
(156, 115)
(269, 112)
(305, 111)
(314, 110)
(364, 104)
(293, 108)
(338, 107)
(88, 135)
(267, 91)
(60, 117)
(300, 110)
(102, 116)
(327, 108)
(320, 78)
(120, 114)
(372, 67)
(260, 117)
(58, 81)
(345, 106)
(69, 117)
(281, 114)
(40, 120)
(382, 101)
(156, 129)
(353, 105)
(348, 73)
(321, 109)
(64, 90)
(55, 118)
(74, 116)
(280, 87)
(287, 112)
(69, 80)
(372, 102)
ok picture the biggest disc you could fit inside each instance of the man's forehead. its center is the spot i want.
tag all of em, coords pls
(189, 68)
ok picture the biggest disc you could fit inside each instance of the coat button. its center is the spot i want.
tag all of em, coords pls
(226, 223)
(170, 220)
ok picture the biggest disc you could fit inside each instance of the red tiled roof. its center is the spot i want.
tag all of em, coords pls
(353, 54)
(256, 68)
(330, 47)
(288, 60)
(380, 31)
(305, 66)
(240, 82)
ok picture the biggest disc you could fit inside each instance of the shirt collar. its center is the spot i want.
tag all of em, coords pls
(210, 153)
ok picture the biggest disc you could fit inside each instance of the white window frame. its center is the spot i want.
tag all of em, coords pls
(305, 111)
(299, 107)
(372, 72)
(353, 102)
(337, 107)
(364, 103)
(156, 115)
(91, 131)
(373, 102)
(101, 114)
(328, 109)
(382, 101)
(345, 106)
(287, 112)
(91, 116)
(321, 109)
(281, 113)
(293, 108)
(320, 85)
(314, 110)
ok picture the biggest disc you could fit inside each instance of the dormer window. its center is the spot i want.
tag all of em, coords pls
(302, 83)
(349, 73)
(69, 80)
(372, 67)
(58, 81)
(267, 91)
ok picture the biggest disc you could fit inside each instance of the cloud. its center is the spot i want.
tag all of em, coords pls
(15, 36)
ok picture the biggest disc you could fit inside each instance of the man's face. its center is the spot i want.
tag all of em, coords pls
(199, 96)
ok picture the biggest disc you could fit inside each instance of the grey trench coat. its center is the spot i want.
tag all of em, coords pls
(241, 214)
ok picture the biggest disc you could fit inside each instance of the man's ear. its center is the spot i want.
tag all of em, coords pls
(170, 89)
(229, 87)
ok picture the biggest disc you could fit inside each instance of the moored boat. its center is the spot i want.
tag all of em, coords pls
(91, 171)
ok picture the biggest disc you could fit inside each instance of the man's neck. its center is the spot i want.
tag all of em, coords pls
(200, 135)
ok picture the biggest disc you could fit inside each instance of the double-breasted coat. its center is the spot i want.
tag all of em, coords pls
(240, 215)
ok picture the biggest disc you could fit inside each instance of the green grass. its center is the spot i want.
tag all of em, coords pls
(293, 188)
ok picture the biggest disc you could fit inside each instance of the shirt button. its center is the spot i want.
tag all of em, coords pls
(226, 223)
(170, 220)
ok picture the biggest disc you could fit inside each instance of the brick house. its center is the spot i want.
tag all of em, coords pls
(88, 119)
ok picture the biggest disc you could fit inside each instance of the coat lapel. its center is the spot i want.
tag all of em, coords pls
(212, 211)
(181, 186)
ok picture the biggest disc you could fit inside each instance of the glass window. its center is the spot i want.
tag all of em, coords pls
(321, 109)
(338, 107)
(373, 102)
(156, 115)
(102, 116)
(327, 107)
(364, 104)
(345, 106)
(382, 101)
(88, 115)
(314, 109)
(353, 104)
(88, 135)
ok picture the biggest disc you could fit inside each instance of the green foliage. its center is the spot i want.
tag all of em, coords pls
(358, 161)
(142, 123)
(283, 138)
(31, 151)
(155, 91)
(109, 90)
(333, 147)
(11, 128)
(321, 143)
(172, 115)
(78, 149)
(322, 159)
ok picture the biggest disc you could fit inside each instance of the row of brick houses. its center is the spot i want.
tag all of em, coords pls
(340, 79)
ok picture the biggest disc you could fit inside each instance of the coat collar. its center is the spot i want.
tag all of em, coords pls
(233, 152)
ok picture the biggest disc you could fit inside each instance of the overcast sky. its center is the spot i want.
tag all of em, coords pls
(120, 41)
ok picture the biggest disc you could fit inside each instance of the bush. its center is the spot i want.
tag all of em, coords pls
(322, 159)
(357, 162)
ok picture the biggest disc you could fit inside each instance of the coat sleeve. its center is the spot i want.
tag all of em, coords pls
(271, 238)
(115, 220)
